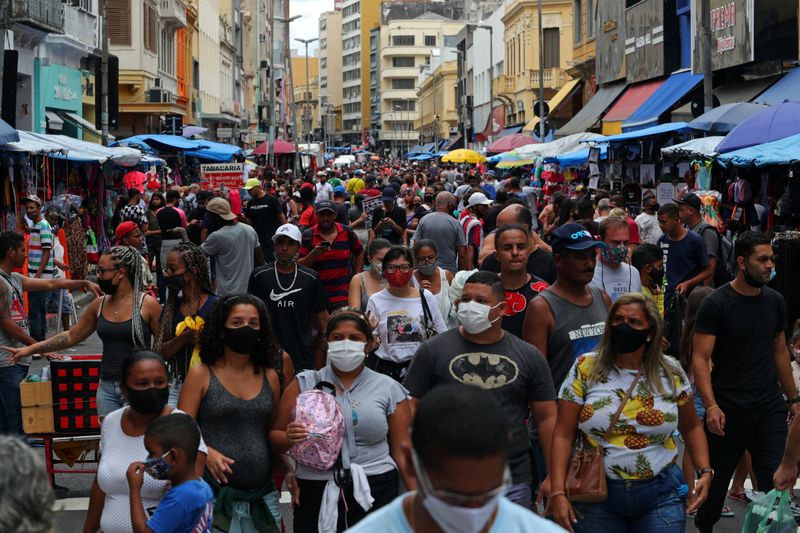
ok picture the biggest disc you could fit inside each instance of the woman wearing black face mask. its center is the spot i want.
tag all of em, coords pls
(629, 398)
(190, 294)
(125, 319)
(145, 385)
(233, 395)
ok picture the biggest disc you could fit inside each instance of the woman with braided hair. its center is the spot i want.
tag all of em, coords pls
(190, 294)
(125, 320)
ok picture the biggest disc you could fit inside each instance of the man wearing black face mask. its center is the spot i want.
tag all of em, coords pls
(647, 259)
(647, 221)
(741, 330)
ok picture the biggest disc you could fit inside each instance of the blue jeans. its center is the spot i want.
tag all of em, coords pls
(10, 406)
(109, 397)
(37, 314)
(653, 505)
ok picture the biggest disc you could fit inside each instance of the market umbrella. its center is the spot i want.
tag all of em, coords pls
(512, 159)
(772, 124)
(723, 119)
(463, 156)
(279, 148)
(509, 142)
(191, 131)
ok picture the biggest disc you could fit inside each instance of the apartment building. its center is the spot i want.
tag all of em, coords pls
(330, 74)
(358, 18)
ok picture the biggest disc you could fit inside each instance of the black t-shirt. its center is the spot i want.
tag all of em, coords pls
(398, 214)
(512, 371)
(291, 307)
(517, 301)
(490, 218)
(168, 219)
(342, 213)
(744, 374)
(263, 215)
(193, 231)
(540, 264)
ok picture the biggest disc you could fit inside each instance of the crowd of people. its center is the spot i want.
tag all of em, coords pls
(476, 338)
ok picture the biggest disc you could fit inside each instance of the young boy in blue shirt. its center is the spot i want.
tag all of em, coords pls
(172, 442)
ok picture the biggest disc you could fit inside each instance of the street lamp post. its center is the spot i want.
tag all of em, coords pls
(307, 93)
(463, 103)
(541, 76)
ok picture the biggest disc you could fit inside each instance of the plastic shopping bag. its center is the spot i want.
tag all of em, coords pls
(770, 514)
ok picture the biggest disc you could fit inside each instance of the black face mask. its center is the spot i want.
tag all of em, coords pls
(107, 286)
(175, 282)
(429, 198)
(148, 401)
(656, 278)
(243, 340)
(625, 339)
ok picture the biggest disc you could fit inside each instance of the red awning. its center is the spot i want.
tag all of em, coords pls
(633, 97)
(280, 148)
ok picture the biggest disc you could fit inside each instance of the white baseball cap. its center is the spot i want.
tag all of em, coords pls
(288, 230)
(479, 198)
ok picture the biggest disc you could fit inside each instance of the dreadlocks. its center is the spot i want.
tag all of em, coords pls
(129, 259)
(197, 265)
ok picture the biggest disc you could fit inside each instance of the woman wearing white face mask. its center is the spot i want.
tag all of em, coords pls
(377, 417)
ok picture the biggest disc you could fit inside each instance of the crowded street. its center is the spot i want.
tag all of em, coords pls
(315, 266)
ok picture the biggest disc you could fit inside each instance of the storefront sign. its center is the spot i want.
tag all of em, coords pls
(610, 60)
(732, 33)
(644, 40)
(61, 88)
(224, 133)
(229, 175)
(258, 136)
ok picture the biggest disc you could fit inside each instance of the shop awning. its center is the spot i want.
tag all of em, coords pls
(673, 90)
(702, 147)
(54, 122)
(588, 116)
(455, 144)
(781, 152)
(576, 158)
(787, 88)
(555, 102)
(653, 131)
(427, 147)
(160, 142)
(27, 142)
(509, 131)
(82, 123)
(732, 93)
(633, 98)
(414, 151)
(7, 133)
(215, 151)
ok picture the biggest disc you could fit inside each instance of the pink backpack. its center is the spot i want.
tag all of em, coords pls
(318, 411)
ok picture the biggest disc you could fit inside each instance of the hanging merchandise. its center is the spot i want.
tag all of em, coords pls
(92, 253)
(702, 171)
(77, 249)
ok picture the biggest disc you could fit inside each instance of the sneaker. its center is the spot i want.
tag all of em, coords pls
(753, 495)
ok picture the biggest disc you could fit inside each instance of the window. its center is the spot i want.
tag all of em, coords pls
(196, 70)
(323, 24)
(150, 28)
(323, 44)
(403, 40)
(404, 105)
(403, 62)
(552, 47)
(590, 18)
(430, 40)
(577, 21)
(403, 83)
(166, 55)
(119, 22)
(323, 81)
(323, 62)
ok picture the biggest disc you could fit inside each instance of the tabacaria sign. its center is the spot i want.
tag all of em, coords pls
(732, 33)
(229, 175)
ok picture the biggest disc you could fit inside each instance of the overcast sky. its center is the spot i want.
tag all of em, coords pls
(308, 26)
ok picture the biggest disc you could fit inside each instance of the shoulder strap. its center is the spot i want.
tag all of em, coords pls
(427, 317)
(625, 399)
(11, 284)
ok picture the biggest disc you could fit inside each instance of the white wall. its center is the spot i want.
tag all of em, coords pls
(480, 66)
(208, 25)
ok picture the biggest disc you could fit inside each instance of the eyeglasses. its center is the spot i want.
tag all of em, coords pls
(455, 498)
(391, 269)
(426, 260)
(101, 270)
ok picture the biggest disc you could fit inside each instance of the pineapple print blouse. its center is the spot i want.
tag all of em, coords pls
(642, 442)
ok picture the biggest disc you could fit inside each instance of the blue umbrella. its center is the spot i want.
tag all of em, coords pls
(723, 119)
(7, 133)
(772, 124)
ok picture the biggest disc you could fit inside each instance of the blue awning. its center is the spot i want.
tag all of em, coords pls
(416, 150)
(787, 88)
(7, 133)
(428, 147)
(672, 91)
(781, 152)
(576, 158)
(660, 129)
(510, 131)
(215, 151)
(161, 142)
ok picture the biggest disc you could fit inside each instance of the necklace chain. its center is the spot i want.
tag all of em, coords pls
(278, 281)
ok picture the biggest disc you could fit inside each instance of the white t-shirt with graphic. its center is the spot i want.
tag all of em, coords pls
(400, 324)
(616, 281)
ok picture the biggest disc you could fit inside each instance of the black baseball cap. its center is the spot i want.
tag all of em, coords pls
(325, 206)
(692, 200)
(572, 237)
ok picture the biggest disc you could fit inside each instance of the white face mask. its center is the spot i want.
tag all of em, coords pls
(474, 316)
(346, 355)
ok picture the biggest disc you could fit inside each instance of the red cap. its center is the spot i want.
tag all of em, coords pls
(123, 229)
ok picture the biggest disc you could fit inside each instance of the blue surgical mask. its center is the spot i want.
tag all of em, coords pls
(158, 467)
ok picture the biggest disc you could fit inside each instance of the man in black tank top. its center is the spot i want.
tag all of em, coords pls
(568, 319)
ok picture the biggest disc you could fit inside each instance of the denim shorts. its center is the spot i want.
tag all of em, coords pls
(655, 505)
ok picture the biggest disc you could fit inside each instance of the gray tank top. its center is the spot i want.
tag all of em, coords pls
(117, 340)
(238, 429)
(577, 331)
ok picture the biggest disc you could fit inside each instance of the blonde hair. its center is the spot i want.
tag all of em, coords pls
(656, 364)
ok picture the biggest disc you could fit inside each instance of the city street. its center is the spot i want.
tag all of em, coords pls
(72, 506)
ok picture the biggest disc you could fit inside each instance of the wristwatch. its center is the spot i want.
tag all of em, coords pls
(701, 471)
(790, 401)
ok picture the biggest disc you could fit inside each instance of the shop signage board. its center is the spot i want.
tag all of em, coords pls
(610, 60)
(224, 133)
(216, 175)
(732, 33)
(644, 40)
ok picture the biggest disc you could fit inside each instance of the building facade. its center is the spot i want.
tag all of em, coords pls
(330, 75)
(358, 18)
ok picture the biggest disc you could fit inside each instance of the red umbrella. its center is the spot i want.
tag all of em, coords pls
(279, 148)
(509, 142)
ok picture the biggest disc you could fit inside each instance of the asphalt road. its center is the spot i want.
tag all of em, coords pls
(74, 498)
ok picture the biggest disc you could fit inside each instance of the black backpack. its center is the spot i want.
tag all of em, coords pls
(726, 264)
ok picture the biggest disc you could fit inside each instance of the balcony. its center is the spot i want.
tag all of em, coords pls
(44, 15)
(503, 84)
(399, 135)
(554, 78)
(167, 82)
(81, 26)
(172, 13)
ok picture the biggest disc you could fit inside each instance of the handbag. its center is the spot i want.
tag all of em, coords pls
(427, 317)
(586, 476)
